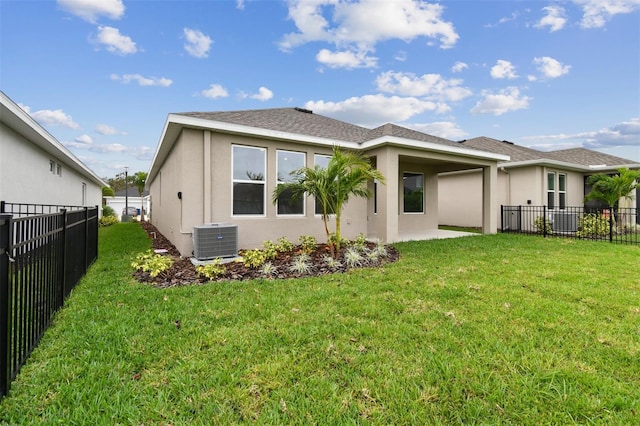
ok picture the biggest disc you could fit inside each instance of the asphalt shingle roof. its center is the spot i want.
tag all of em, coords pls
(304, 122)
(587, 157)
(517, 153)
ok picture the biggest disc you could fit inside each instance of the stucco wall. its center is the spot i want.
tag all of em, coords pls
(199, 166)
(25, 176)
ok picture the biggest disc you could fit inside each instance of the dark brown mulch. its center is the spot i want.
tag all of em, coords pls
(183, 272)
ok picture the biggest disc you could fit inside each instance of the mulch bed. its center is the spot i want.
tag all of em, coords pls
(183, 272)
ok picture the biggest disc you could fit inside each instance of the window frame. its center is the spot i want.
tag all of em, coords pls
(278, 182)
(551, 190)
(562, 193)
(404, 205)
(262, 182)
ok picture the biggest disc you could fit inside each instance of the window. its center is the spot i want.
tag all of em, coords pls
(52, 167)
(249, 177)
(551, 190)
(84, 194)
(58, 169)
(413, 192)
(562, 191)
(322, 161)
(289, 161)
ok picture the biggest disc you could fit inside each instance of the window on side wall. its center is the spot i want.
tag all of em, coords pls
(562, 191)
(551, 190)
(322, 161)
(413, 192)
(287, 163)
(249, 178)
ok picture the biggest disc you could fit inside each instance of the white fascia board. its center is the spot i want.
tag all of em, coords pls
(566, 166)
(21, 122)
(430, 146)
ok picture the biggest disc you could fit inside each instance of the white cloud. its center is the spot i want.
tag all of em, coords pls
(374, 110)
(505, 100)
(198, 44)
(142, 81)
(114, 41)
(263, 94)
(215, 91)
(90, 10)
(240, 4)
(105, 129)
(443, 129)
(459, 66)
(596, 13)
(554, 18)
(349, 25)
(504, 20)
(51, 117)
(401, 56)
(86, 139)
(551, 68)
(503, 69)
(430, 86)
(626, 133)
(346, 59)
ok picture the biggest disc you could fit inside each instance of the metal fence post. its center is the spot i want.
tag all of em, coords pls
(5, 303)
(612, 212)
(63, 281)
(86, 238)
(545, 221)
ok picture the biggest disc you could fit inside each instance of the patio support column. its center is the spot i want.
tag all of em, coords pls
(490, 199)
(388, 195)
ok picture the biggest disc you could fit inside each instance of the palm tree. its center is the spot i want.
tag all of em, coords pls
(611, 189)
(140, 181)
(346, 175)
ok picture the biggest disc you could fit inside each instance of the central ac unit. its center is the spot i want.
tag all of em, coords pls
(212, 240)
(564, 222)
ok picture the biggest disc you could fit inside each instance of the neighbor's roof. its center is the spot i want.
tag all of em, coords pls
(22, 123)
(303, 126)
(575, 158)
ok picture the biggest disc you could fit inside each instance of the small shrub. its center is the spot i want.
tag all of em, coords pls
(308, 243)
(254, 258)
(301, 264)
(284, 245)
(372, 256)
(108, 220)
(353, 258)
(108, 211)
(212, 270)
(543, 225)
(270, 250)
(593, 225)
(360, 242)
(381, 249)
(333, 240)
(154, 264)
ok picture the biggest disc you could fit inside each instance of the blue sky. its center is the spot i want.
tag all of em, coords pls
(102, 75)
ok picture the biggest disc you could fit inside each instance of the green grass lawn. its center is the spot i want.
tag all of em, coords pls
(501, 329)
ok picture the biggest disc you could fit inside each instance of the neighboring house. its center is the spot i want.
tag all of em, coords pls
(130, 197)
(37, 169)
(222, 167)
(555, 179)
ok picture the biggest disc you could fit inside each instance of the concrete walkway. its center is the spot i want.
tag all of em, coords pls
(435, 234)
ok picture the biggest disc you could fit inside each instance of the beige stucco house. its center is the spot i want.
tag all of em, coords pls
(555, 179)
(35, 168)
(222, 167)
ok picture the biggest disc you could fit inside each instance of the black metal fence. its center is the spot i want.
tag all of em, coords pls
(622, 225)
(42, 258)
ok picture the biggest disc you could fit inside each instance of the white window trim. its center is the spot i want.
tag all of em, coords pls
(560, 191)
(551, 191)
(423, 193)
(263, 182)
(304, 203)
